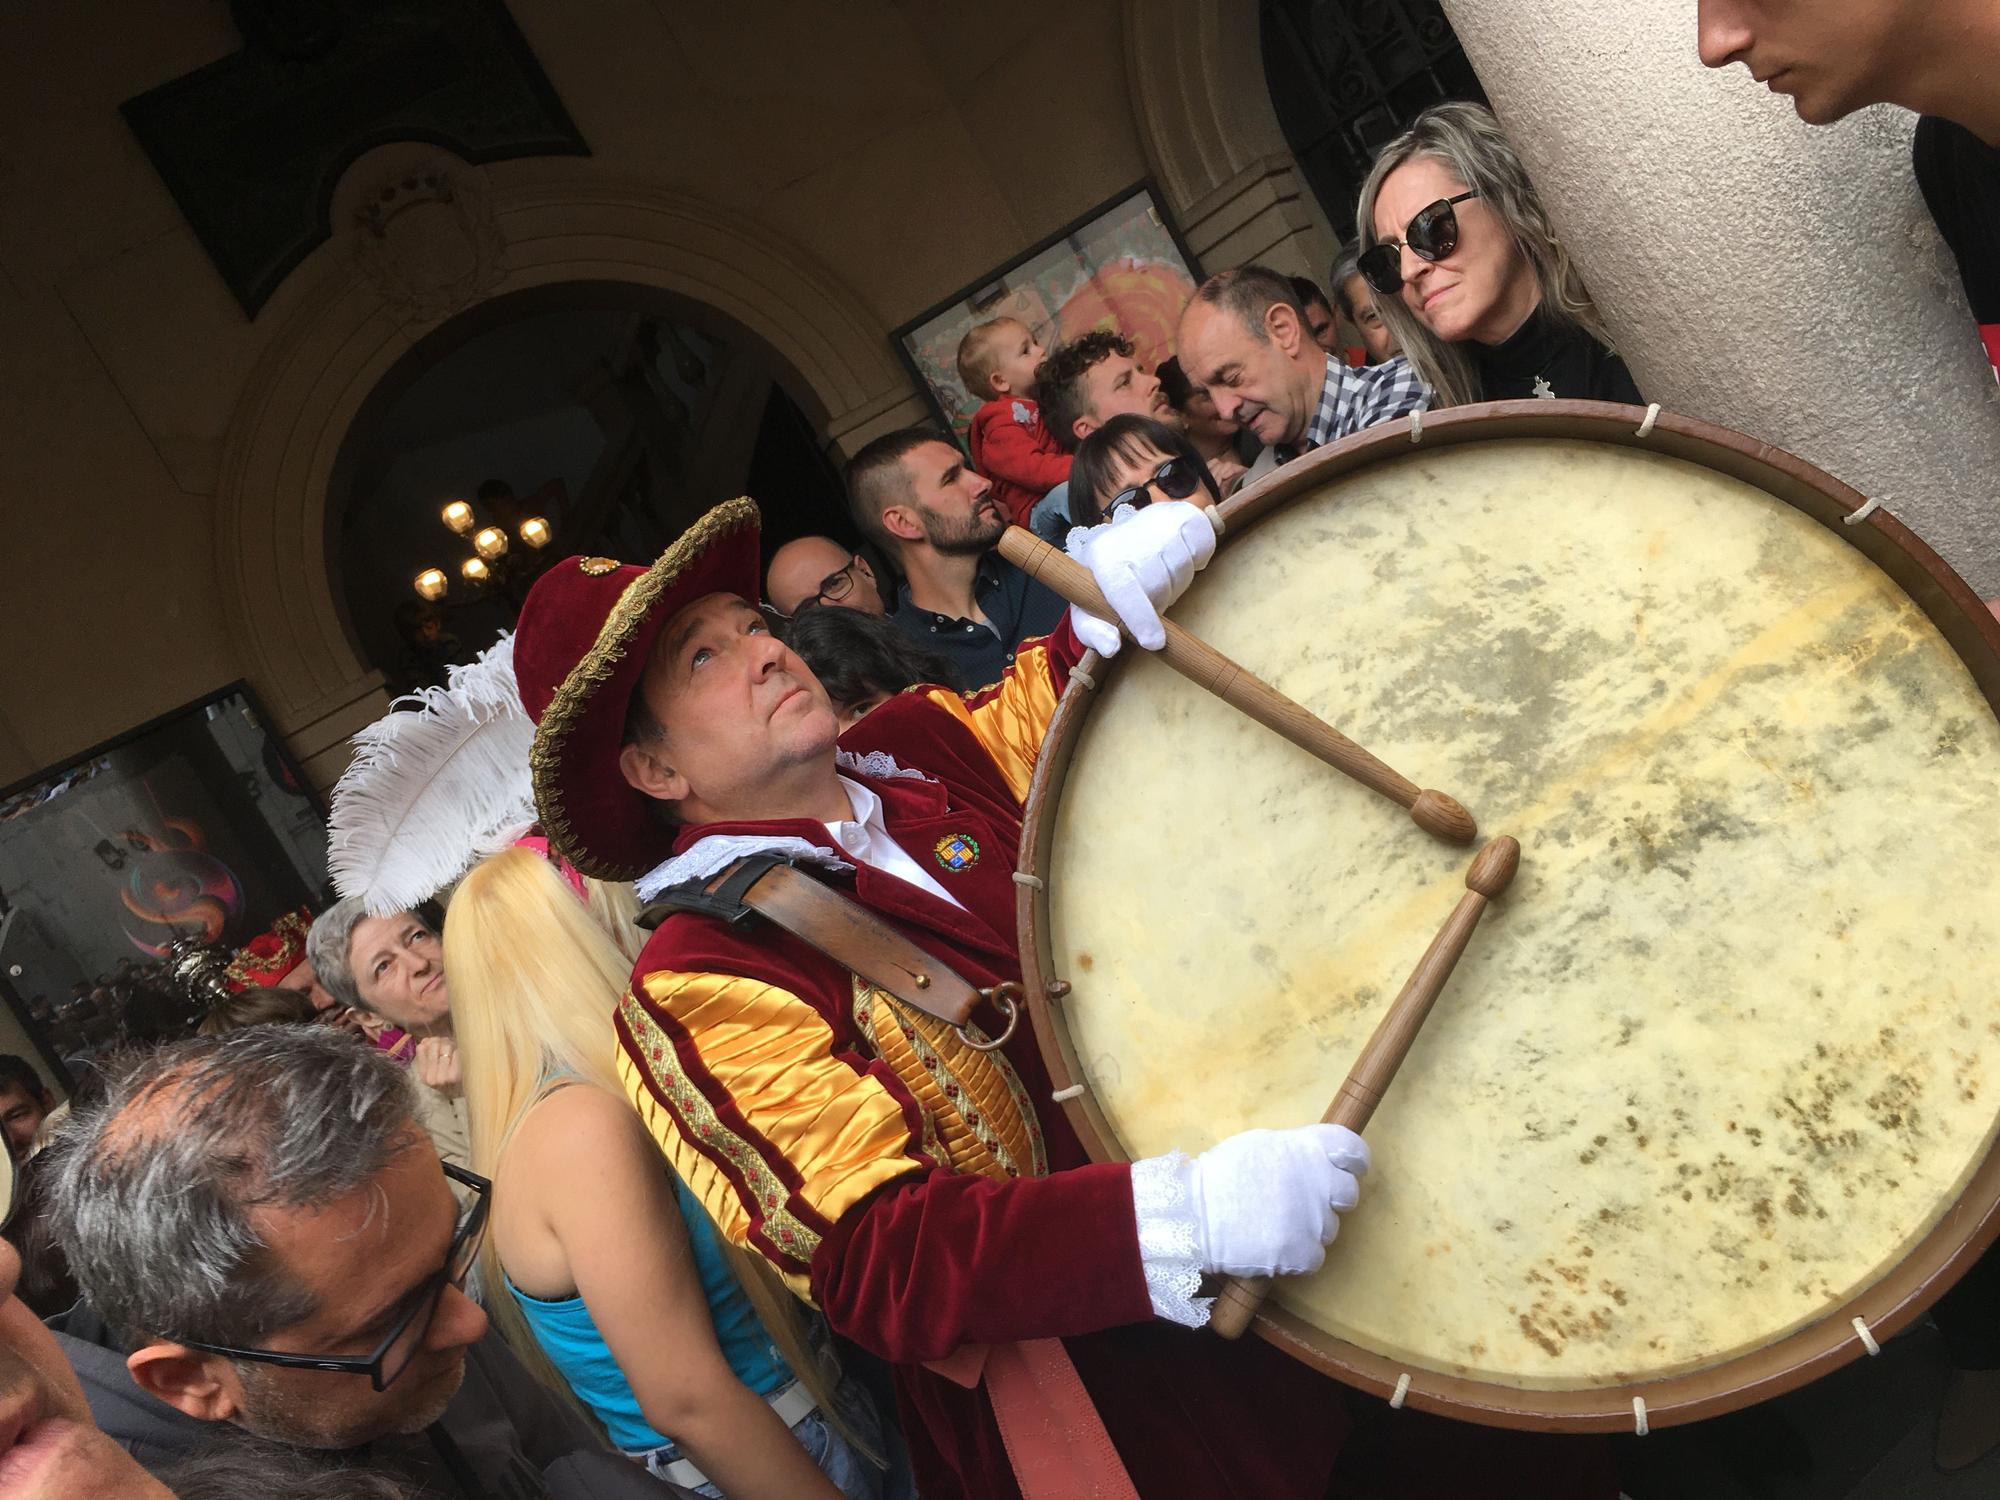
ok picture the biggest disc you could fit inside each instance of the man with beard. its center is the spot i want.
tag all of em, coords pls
(272, 1236)
(913, 496)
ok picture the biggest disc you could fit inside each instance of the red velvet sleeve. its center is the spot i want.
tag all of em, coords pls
(930, 1264)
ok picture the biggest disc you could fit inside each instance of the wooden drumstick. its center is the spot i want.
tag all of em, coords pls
(1491, 872)
(1208, 668)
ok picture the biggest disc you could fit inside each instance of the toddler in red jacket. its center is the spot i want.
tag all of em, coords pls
(1011, 445)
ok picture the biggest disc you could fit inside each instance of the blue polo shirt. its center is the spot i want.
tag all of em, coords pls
(1016, 608)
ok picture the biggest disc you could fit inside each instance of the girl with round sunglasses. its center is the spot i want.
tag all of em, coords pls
(1468, 272)
(1133, 460)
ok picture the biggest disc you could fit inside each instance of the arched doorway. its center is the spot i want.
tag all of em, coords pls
(344, 335)
(583, 417)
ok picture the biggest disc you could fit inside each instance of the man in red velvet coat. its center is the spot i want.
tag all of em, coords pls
(922, 1192)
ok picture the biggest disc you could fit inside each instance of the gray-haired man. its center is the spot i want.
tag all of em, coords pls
(263, 1220)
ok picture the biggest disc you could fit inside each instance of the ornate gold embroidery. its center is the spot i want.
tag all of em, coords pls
(781, 1227)
(973, 1103)
(590, 674)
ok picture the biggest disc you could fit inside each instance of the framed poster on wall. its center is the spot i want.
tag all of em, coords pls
(196, 823)
(1123, 265)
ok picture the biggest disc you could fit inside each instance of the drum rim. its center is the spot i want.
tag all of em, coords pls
(1886, 1306)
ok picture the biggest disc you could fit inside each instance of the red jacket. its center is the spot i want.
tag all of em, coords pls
(740, 1048)
(1014, 448)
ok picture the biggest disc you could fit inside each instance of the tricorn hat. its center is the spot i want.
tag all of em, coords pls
(582, 644)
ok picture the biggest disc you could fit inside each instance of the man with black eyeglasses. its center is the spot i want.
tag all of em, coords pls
(272, 1236)
(815, 570)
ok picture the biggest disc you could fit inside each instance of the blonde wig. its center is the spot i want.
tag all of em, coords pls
(1468, 141)
(535, 977)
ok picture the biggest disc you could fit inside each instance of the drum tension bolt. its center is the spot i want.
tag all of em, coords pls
(1056, 989)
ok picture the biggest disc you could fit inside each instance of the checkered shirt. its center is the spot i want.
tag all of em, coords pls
(1353, 399)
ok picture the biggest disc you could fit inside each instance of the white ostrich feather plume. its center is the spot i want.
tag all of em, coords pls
(430, 792)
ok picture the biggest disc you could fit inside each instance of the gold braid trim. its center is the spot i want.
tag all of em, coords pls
(972, 1102)
(864, 1020)
(573, 698)
(696, 1118)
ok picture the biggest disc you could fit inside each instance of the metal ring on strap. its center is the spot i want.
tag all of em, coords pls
(1006, 996)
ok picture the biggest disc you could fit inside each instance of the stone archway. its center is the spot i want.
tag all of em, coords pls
(1196, 75)
(489, 237)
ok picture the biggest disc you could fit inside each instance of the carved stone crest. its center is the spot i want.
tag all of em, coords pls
(428, 239)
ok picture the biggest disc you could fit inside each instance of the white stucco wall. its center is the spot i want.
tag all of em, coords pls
(1779, 279)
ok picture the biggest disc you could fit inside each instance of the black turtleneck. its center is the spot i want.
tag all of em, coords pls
(1567, 361)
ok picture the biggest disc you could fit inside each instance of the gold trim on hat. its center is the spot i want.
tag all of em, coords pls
(572, 699)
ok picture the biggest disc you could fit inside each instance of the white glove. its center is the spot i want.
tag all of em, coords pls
(1143, 560)
(1269, 1201)
(1262, 1203)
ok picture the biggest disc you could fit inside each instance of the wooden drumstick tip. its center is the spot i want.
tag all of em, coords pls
(1442, 817)
(1493, 868)
(1237, 1304)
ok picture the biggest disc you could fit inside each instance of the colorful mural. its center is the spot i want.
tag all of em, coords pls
(1123, 267)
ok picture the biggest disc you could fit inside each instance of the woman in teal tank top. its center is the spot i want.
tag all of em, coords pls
(609, 1261)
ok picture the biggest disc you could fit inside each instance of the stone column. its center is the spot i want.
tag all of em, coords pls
(1756, 272)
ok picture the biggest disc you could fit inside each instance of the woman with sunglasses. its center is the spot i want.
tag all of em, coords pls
(1469, 274)
(1133, 460)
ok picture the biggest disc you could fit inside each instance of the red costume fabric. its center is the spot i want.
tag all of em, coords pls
(926, 1259)
(1013, 447)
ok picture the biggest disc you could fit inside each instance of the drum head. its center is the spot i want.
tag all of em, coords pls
(1716, 1074)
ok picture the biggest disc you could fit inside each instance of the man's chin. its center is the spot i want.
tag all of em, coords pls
(407, 1407)
(430, 1402)
(1269, 428)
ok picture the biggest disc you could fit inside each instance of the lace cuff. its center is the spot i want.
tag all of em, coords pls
(1169, 1248)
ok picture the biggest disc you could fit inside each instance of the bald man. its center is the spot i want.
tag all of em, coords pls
(818, 570)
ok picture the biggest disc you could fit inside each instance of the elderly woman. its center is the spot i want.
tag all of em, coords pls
(392, 967)
(1472, 280)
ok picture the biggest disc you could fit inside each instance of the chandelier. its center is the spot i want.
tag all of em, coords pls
(489, 548)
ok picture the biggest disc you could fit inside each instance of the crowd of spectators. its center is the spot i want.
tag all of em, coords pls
(272, 1255)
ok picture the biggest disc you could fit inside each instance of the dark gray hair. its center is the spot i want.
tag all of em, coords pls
(1247, 292)
(156, 1183)
(1346, 266)
(240, 1467)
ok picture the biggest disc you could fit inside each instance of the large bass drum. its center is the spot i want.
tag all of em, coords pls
(1708, 1108)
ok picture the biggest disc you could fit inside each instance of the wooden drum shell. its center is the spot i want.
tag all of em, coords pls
(1890, 1303)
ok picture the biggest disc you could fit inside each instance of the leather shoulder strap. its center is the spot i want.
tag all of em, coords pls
(773, 887)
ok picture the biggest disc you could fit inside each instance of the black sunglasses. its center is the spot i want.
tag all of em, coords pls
(1431, 235)
(1173, 480)
(399, 1346)
(832, 589)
